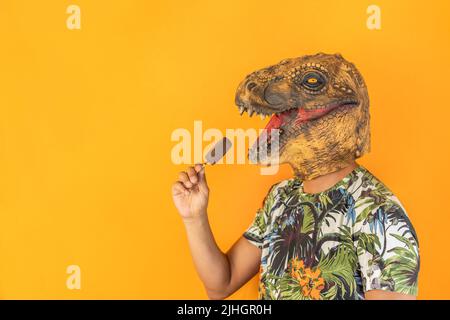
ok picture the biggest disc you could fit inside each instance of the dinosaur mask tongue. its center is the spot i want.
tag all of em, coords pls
(275, 123)
(289, 118)
(299, 115)
(279, 120)
(295, 117)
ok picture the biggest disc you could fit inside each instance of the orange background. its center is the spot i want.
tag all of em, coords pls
(86, 118)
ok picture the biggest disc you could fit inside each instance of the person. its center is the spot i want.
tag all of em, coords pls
(333, 231)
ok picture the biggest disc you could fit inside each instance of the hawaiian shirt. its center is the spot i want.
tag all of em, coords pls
(336, 244)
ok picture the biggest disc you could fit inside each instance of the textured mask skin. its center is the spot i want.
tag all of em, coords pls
(320, 105)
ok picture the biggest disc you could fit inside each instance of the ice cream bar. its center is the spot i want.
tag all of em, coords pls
(218, 151)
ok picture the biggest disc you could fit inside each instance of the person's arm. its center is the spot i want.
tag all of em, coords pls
(387, 295)
(222, 274)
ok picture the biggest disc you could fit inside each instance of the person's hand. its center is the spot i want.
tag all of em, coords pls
(190, 193)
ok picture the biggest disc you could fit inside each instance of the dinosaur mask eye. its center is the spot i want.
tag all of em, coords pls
(313, 81)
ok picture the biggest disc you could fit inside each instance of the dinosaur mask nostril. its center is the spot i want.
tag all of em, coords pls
(251, 85)
(276, 93)
(274, 99)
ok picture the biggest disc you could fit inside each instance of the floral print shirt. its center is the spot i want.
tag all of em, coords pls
(336, 244)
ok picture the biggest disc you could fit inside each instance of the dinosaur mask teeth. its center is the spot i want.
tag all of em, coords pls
(251, 112)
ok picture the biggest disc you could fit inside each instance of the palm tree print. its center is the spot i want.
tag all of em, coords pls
(336, 244)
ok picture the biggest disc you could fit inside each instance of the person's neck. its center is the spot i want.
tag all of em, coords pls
(328, 180)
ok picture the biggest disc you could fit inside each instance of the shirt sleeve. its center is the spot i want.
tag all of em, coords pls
(255, 233)
(388, 250)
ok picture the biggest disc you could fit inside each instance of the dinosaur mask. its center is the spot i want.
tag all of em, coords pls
(320, 105)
